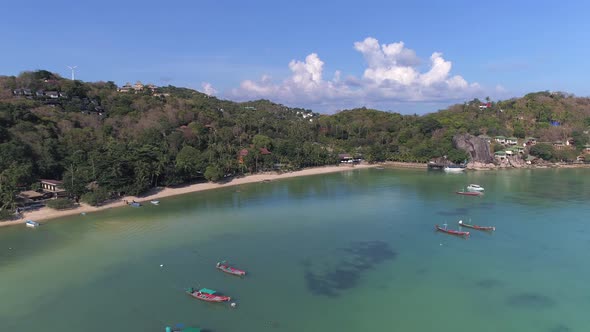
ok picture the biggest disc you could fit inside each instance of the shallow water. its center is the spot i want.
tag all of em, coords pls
(352, 251)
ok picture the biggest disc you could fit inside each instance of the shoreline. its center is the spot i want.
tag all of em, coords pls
(47, 214)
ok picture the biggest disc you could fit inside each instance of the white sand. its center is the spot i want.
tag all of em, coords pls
(46, 213)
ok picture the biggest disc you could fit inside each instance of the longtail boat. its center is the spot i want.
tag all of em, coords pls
(452, 232)
(208, 295)
(231, 270)
(469, 193)
(179, 329)
(481, 228)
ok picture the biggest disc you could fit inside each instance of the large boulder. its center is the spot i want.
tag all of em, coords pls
(477, 148)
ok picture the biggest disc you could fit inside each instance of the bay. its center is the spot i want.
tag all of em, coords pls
(350, 251)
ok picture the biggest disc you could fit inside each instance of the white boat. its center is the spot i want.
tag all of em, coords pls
(32, 224)
(475, 187)
(454, 169)
(155, 202)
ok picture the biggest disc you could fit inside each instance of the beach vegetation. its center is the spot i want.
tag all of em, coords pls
(543, 150)
(95, 197)
(60, 203)
(130, 142)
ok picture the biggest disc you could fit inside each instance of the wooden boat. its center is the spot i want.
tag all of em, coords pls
(179, 329)
(207, 295)
(452, 232)
(231, 270)
(32, 224)
(475, 187)
(469, 193)
(481, 228)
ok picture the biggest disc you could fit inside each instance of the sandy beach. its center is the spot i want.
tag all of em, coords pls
(46, 213)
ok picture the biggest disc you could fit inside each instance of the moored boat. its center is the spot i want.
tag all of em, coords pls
(178, 329)
(475, 187)
(208, 295)
(469, 193)
(231, 270)
(454, 169)
(481, 228)
(32, 224)
(135, 204)
(452, 232)
(155, 202)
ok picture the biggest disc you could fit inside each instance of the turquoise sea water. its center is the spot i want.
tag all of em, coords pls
(350, 251)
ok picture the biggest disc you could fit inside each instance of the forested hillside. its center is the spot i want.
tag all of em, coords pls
(102, 139)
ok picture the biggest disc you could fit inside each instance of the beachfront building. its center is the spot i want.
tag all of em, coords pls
(500, 155)
(345, 158)
(51, 185)
(30, 196)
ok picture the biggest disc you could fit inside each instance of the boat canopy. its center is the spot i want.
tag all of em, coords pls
(207, 291)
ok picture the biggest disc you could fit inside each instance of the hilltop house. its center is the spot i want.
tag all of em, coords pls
(138, 86)
(511, 140)
(485, 106)
(125, 88)
(530, 141)
(558, 145)
(52, 94)
(500, 139)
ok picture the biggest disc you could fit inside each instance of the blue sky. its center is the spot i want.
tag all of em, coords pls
(320, 55)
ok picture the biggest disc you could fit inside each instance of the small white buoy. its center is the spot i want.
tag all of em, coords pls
(161, 265)
(233, 304)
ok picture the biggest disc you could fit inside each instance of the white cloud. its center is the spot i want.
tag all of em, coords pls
(392, 75)
(208, 89)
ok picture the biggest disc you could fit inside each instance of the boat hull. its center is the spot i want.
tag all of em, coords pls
(452, 232)
(209, 297)
(469, 193)
(230, 270)
(454, 169)
(32, 224)
(479, 228)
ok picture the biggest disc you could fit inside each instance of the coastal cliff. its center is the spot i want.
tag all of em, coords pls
(477, 148)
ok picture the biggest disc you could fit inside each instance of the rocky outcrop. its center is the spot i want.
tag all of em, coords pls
(476, 165)
(477, 148)
(512, 162)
